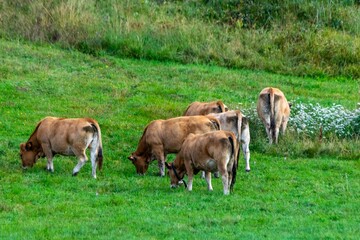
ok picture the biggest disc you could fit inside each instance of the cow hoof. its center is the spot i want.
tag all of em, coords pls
(247, 170)
(75, 174)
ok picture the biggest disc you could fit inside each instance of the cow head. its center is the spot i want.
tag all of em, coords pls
(141, 163)
(176, 175)
(29, 155)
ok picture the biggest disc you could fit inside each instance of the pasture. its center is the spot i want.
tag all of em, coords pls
(283, 197)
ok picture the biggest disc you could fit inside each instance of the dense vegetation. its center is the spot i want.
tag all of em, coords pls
(297, 37)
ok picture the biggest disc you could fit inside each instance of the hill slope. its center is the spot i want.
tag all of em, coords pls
(283, 196)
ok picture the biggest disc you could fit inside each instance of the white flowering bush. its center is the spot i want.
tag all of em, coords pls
(309, 118)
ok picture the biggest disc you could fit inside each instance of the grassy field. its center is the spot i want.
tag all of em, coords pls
(283, 197)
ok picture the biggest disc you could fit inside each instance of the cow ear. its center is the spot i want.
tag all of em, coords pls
(132, 158)
(22, 147)
(28, 146)
(167, 165)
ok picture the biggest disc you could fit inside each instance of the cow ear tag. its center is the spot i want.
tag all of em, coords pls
(131, 158)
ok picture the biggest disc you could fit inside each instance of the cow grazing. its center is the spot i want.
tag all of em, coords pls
(161, 137)
(235, 122)
(204, 108)
(210, 152)
(274, 111)
(64, 136)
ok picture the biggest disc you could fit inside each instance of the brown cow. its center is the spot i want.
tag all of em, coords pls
(64, 136)
(235, 122)
(210, 152)
(204, 108)
(161, 137)
(274, 111)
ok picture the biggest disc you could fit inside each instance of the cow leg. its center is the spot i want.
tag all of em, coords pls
(49, 156)
(277, 128)
(276, 135)
(82, 159)
(93, 154)
(202, 174)
(268, 128)
(190, 179)
(284, 124)
(245, 141)
(160, 155)
(208, 180)
(190, 173)
(161, 164)
(246, 151)
(225, 179)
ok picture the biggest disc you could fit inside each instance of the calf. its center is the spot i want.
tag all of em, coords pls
(64, 136)
(161, 137)
(274, 111)
(210, 152)
(204, 108)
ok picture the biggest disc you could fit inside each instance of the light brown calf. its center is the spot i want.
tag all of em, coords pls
(274, 111)
(210, 152)
(161, 137)
(64, 136)
(204, 108)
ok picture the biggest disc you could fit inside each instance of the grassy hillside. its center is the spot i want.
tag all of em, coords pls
(286, 195)
(295, 37)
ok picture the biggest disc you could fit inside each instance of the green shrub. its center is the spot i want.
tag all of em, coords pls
(313, 38)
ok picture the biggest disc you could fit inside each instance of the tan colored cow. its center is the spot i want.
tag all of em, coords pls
(210, 152)
(235, 122)
(161, 137)
(204, 108)
(274, 111)
(64, 136)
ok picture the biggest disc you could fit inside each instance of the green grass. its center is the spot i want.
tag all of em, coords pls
(282, 198)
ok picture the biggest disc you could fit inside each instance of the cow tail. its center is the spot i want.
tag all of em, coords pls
(233, 155)
(272, 113)
(99, 157)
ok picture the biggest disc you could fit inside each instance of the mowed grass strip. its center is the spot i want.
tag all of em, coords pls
(280, 198)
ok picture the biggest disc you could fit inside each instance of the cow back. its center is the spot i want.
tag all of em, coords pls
(171, 133)
(204, 108)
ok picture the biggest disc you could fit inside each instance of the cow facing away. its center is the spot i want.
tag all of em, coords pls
(204, 108)
(274, 111)
(210, 152)
(235, 122)
(64, 136)
(161, 137)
